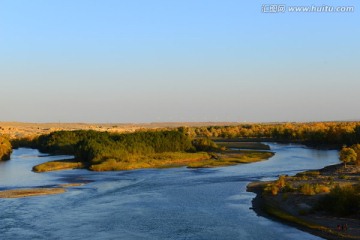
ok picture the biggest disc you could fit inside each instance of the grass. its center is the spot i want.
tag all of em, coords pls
(243, 145)
(157, 160)
(245, 157)
(57, 165)
(231, 158)
(162, 160)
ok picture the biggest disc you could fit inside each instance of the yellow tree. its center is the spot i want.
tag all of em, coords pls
(347, 155)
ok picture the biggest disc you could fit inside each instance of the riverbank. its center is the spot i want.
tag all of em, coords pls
(297, 199)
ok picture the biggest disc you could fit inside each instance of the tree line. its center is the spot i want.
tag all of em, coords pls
(93, 146)
(317, 133)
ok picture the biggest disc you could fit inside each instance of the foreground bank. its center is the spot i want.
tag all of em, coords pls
(325, 202)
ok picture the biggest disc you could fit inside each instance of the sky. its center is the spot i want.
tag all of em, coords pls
(112, 61)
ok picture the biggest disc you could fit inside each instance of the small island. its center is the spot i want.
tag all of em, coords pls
(104, 151)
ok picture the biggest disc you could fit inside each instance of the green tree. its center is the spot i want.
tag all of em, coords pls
(347, 155)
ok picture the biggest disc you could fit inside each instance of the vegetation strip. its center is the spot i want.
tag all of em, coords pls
(58, 165)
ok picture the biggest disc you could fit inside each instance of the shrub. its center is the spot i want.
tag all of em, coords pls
(344, 177)
(277, 186)
(312, 189)
(347, 155)
(307, 189)
(205, 144)
(288, 188)
(274, 190)
(318, 188)
(281, 181)
(341, 201)
(5, 148)
(271, 188)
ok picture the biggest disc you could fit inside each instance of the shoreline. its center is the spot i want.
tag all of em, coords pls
(288, 211)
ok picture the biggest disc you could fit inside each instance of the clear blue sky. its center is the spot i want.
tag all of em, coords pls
(180, 60)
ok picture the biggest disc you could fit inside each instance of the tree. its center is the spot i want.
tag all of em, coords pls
(356, 148)
(347, 155)
(5, 148)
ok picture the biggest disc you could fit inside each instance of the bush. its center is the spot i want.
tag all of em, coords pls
(277, 186)
(205, 144)
(288, 188)
(341, 201)
(347, 155)
(5, 148)
(312, 189)
(307, 189)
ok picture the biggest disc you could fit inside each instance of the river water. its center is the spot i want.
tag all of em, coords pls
(177, 203)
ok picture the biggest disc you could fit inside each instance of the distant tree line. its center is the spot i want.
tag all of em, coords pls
(93, 146)
(317, 133)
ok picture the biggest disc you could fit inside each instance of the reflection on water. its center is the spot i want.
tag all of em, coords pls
(177, 203)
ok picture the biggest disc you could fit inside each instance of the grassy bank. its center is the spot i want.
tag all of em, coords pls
(162, 160)
(235, 143)
(229, 158)
(58, 165)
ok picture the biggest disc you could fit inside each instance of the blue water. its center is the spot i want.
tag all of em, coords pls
(176, 203)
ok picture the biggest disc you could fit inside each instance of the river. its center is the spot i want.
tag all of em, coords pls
(176, 203)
